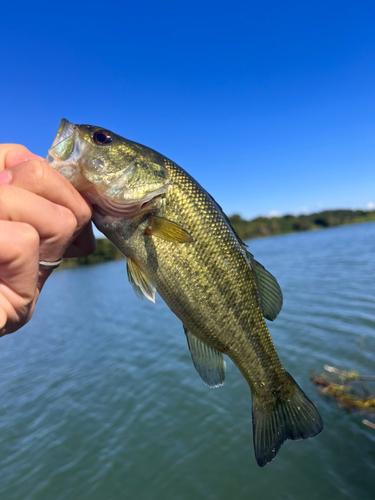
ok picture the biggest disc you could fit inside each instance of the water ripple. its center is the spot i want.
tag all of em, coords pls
(99, 397)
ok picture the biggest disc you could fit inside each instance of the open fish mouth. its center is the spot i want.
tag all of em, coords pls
(63, 143)
(67, 148)
(65, 130)
(116, 175)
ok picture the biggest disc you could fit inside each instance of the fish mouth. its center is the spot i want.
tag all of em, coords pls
(67, 148)
(69, 156)
(65, 130)
(63, 143)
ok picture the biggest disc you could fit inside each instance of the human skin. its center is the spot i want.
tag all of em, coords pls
(42, 217)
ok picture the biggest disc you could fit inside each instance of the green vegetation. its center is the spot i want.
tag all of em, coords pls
(264, 226)
(247, 229)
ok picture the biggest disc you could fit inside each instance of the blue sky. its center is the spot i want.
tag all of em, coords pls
(269, 105)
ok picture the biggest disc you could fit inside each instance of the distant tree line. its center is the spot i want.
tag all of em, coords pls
(247, 229)
(264, 226)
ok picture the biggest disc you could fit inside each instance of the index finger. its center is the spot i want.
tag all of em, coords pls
(41, 179)
(13, 154)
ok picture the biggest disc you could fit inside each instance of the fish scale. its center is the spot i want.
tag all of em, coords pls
(231, 300)
(178, 241)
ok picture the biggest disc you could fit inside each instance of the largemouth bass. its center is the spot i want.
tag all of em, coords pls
(178, 242)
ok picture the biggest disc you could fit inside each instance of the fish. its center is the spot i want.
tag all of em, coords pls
(178, 242)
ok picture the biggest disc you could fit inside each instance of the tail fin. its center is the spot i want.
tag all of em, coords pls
(292, 416)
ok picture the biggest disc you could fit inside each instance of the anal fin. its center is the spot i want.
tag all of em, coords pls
(208, 361)
(140, 282)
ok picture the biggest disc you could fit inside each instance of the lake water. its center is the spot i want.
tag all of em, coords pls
(99, 398)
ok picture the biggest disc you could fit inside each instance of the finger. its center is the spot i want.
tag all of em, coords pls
(13, 154)
(41, 179)
(84, 244)
(19, 245)
(54, 224)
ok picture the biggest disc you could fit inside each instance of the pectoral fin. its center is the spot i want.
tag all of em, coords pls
(167, 230)
(208, 362)
(140, 281)
(271, 297)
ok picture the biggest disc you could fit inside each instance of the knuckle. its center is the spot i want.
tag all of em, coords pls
(86, 212)
(68, 221)
(28, 237)
(37, 171)
(19, 245)
(82, 210)
(84, 216)
(25, 241)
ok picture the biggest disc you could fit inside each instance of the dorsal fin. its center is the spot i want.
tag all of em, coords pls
(208, 361)
(140, 282)
(271, 297)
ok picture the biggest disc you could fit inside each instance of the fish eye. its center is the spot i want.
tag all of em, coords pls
(102, 137)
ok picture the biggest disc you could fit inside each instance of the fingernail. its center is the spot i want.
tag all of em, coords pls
(5, 177)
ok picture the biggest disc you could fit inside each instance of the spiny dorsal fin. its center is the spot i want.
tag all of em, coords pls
(167, 230)
(271, 297)
(140, 281)
(208, 362)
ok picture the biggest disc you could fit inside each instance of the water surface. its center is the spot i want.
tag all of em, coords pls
(99, 398)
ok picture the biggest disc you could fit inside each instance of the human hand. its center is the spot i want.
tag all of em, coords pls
(42, 217)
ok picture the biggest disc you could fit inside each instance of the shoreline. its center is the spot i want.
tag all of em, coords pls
(262, 227)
